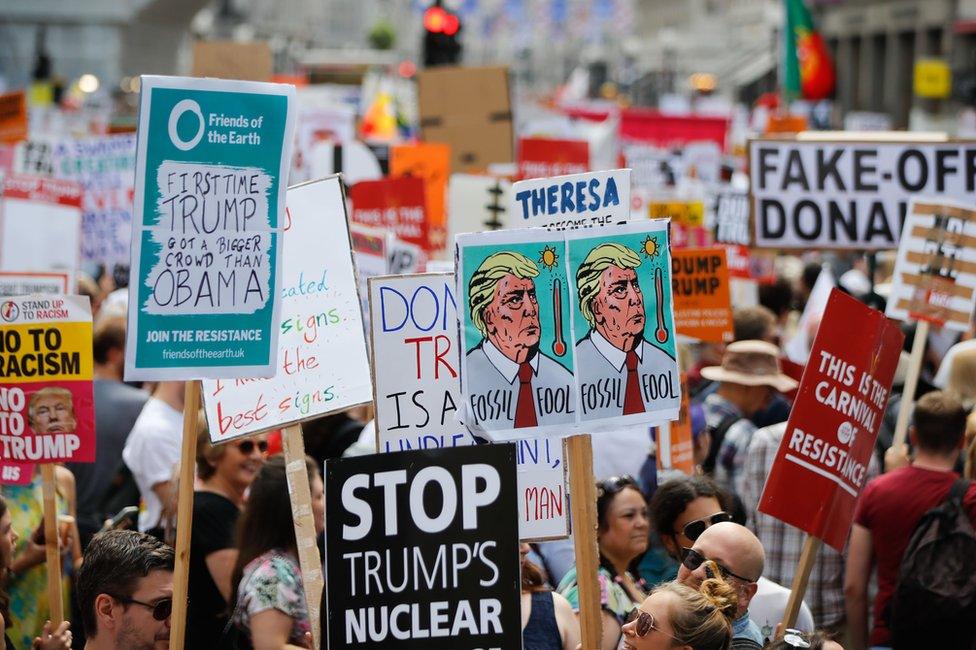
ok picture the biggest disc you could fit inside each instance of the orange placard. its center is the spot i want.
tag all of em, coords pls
(675, 450)
(430, 161)
(786, 124)
(13, 117)
(700, 290)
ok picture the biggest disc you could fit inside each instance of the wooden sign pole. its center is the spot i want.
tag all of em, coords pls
(305, 536)
(184, 513)
(51, 539)
(911, 382)
(582, 505)
(811, 545)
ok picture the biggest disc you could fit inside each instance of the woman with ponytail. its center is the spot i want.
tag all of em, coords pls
(675, 616)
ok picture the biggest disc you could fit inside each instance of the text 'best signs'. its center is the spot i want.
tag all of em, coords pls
(702, 304)
(849, 194)
(822, 462)
(574, 201)
(212, 162)
(322, 363)
(417, 393)
(935, 272)
(562, 330)
(421, 550)
(47, 410)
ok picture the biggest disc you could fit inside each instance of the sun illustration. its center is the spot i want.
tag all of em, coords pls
(650, 247)
(548, 258)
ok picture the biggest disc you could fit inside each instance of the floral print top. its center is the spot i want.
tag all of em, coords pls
(273, 580)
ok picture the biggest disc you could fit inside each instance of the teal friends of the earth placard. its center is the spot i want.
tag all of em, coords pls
(517, 357)
(623, 321)
(211, 172)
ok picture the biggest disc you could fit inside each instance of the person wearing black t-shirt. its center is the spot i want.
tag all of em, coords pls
(225, 472)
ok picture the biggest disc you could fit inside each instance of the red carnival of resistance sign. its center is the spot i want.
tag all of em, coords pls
(822, 461)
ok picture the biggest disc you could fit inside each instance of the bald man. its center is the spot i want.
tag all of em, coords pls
(740, 556)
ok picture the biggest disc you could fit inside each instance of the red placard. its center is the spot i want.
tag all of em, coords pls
(545, 157)
(38, 188)
(654, 127)
(821, 464)
(15, 473)
(398, 204)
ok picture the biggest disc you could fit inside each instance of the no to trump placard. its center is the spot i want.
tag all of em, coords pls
(850, 194)
(421, 550)
(935, 272)
(212, 161)
(700, 283)
(822, 461)
(322, 363)
(575, 201)
(47, 410)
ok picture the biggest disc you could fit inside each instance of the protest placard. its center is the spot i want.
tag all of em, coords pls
(397, 205)
(821, 464)
(212, 163)
(547, 157)
(232, 60)
(732, 218)
(13, 117)
(575, 201)
(417, 393)
(47, 411)
(935, 272)
(477, 203)
(21, 283)
(104, 166)
(430, 161)
(700, 287)
(40, 224)
(850, 194)
(595, 352)
(322, 364)
(675, 446)
(440, 526)
(16, 473)
(470, 110)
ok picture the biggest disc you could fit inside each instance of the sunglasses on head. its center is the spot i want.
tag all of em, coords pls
(645, 623)
(694, 529)
(693, 559)
(615, 484)
(161, 609)
(246, 447)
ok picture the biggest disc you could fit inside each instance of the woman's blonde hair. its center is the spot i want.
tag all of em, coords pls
(207, 453)
(961, 382)
(970, 462)
(703, 618)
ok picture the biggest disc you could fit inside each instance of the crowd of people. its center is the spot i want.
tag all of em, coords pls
(686, 561)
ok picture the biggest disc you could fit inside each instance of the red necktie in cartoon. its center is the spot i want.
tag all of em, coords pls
(632, 397)
(525, 406)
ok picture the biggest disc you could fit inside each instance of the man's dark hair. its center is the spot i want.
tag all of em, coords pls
(777, 296)
(672, 497)
(114, 563)
(109, 334)
(940, 422)
(811, 271)
(752, 323)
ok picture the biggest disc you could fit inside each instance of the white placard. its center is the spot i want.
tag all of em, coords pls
(21, 283)
(477, 203)
(322, 362)
(572, 201)
(414, 340)
(809, 194)
(935, 272)
(40, 224)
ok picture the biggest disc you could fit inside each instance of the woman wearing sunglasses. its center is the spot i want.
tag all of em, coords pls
(622, 538)
(225, 472)
(270, 609)
(676, 616)
(680, 510)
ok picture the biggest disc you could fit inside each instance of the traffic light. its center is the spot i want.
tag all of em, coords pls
(441, 30)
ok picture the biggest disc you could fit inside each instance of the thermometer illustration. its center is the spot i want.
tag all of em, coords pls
(558, 345)
(661, 333)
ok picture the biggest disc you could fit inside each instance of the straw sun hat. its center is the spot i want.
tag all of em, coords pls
(751, 363)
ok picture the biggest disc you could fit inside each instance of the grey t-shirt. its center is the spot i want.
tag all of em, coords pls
(117, 406)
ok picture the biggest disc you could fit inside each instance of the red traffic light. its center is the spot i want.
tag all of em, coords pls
(451, 24)
(435, 20)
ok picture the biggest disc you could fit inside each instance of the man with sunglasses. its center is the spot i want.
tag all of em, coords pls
(740, 558)
(125, 592)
